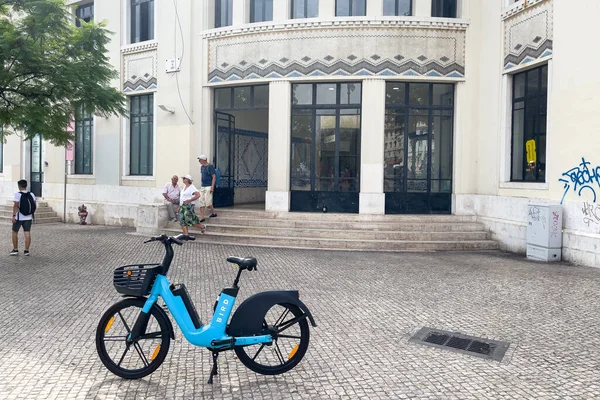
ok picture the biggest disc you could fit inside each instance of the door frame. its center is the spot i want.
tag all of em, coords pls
(224, 192)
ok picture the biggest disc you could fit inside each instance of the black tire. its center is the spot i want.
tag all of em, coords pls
(122, 358)
(293, 340)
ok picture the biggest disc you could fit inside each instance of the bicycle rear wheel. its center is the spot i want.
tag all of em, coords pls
(287, 324)
(132, 359)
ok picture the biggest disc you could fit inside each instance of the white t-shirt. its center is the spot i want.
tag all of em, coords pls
(187, 194)
(20, 216)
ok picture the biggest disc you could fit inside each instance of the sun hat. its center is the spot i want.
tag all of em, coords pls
(188, 177)
(202, 157)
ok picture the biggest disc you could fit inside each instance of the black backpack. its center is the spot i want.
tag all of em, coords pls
(27, 204)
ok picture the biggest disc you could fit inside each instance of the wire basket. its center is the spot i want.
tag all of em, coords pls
(135, 280)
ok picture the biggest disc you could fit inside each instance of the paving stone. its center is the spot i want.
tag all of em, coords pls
(367, 306)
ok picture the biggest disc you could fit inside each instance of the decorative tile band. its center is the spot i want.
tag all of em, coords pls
(340, 68)
(528, 54)
(140, 85)
(338, 52)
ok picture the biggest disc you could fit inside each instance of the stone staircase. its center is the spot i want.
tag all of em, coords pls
(43, 214)
(344, 231)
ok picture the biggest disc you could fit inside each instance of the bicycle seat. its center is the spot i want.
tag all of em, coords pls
(248, 263)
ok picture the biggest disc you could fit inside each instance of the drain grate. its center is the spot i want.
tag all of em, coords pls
(453, 341)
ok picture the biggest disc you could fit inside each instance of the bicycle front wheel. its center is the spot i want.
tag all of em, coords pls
(132, 359)
(287, 324)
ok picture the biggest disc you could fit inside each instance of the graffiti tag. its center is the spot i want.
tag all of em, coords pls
(554, 232)
(580, 178)
(591, 213)
(534, 213)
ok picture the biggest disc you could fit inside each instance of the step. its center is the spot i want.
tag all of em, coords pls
(45, 220)
(40, 203)
(38, 214)
(257, 214)
(341, 244)
(38, 208)
(393, 225)
(346, 233)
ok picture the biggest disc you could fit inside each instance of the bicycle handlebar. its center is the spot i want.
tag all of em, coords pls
(179, 239)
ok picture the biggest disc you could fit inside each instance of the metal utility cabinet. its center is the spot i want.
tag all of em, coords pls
(544, 232)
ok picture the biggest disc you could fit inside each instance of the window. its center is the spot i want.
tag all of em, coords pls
(223, 13)
(242, 97)
(397, 7)
(350, 8)
(84, 126)
(141, 143)
(142, 20)
(84, 13)
(443, 8)
(418, 134)
(305, 8)
(261, 10)
(529, 102)
(326, 137)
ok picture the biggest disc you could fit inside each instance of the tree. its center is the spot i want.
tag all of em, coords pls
(49, 68)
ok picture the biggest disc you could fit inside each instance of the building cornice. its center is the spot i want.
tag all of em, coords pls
(139, 47)
(519, 7)
(360, 22)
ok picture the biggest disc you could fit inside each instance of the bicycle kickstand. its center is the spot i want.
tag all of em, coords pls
(213, 371)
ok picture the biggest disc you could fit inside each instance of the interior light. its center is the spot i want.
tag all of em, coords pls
(396, 88)
(331, 88)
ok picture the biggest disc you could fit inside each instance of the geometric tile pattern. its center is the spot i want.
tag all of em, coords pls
(252, 153)
(140, 69)
(340, 67)
(528, 32)
(401, 51)
(250, 149)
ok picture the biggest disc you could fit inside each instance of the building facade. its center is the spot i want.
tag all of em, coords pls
(460, 107)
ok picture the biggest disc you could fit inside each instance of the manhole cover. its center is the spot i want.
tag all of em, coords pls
(457, 342)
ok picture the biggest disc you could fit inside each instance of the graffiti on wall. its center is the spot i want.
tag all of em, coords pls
(583, 178)
(591, 214)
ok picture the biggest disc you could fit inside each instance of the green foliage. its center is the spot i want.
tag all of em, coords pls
(49, 68)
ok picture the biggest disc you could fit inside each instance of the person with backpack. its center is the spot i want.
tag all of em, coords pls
(23, 212)
(208, 181)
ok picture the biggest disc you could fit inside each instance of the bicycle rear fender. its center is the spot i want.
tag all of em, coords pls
(248, 318)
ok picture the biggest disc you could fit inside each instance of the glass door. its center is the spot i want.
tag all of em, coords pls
(224, 159)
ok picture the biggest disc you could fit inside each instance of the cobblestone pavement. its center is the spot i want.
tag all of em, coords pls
(367, 305)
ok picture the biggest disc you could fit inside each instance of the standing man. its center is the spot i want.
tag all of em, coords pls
(207, 187)
(187, 215)
(171, 193)
(23, 209)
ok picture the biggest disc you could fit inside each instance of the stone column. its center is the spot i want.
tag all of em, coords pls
(280, 111)
(421, 8)
(241, 12)
(326, 9)
(372, 198)
(281, 10)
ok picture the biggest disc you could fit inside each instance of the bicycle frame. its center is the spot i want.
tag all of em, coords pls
(207, 335)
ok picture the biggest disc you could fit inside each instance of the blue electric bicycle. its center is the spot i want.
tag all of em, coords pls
(269, 331)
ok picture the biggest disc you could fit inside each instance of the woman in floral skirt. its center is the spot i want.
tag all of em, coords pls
(187, 199)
